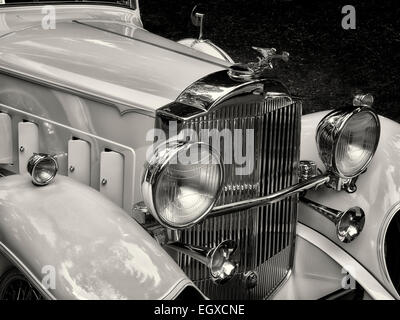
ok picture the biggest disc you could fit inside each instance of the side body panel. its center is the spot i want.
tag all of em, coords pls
(54, 137)
(378, 192)
(95, 249)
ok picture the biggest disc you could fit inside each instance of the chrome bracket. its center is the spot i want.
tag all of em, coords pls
(350, 186)
(346, 184)
(307, 169)
(300, 187)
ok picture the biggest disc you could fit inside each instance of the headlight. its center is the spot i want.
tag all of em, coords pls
(182, 182)
(347, 140)
(42, 168)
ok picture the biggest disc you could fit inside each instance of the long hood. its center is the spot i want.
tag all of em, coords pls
(107, 58)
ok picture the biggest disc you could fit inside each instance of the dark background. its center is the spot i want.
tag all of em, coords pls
(328, 64)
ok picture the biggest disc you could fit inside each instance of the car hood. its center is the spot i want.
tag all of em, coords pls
(106, 58)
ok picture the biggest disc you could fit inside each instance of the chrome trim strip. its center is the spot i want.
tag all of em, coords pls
(271, 198)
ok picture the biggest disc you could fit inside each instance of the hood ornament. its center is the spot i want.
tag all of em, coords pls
(254, 70)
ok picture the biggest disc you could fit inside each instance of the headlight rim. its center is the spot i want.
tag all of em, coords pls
(340, 132)
(33, 163)
(154, 170)
(337, 120)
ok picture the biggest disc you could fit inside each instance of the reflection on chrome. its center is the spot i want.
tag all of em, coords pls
(219, 260)
(42, 168)
(180, 191)
(312, 183)
(349, 224)
(347, 140)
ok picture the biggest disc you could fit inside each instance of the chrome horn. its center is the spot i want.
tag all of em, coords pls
(349, 223)
(219, 259)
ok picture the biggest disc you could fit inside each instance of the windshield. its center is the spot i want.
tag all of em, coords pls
(125, 3)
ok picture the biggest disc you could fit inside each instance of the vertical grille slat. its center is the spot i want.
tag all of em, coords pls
(264, 234)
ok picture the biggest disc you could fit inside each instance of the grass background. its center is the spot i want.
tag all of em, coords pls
(328, 64)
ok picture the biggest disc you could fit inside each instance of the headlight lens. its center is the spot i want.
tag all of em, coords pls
(356, 144)
(182, 182)
(347, 140)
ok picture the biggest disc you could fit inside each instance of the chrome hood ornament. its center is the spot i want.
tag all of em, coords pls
(254, 70)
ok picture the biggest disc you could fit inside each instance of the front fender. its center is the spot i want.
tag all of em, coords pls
(96, 250)
(378, 193)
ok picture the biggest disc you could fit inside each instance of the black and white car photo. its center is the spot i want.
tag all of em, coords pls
(232, 150)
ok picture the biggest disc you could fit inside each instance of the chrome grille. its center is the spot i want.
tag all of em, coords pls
(265, 235)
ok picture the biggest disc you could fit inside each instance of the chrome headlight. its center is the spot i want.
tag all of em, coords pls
(42, 168)
(347, 140)
(182, 182)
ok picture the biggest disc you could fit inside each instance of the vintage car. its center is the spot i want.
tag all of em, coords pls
(136, 167)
